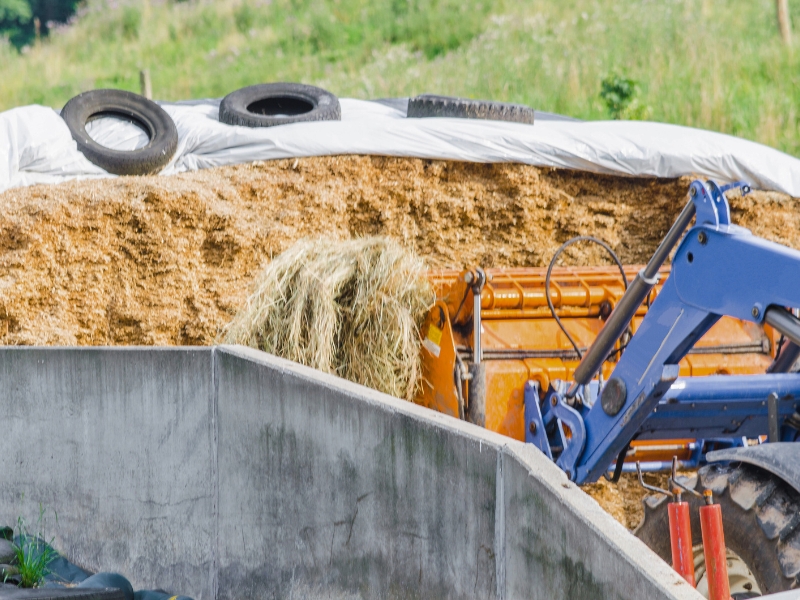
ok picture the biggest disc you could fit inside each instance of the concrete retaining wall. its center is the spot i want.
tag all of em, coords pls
(227, 473)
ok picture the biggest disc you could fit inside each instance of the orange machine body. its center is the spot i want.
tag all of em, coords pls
(521, 341)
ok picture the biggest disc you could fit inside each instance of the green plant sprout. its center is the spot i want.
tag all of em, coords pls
(33, 553)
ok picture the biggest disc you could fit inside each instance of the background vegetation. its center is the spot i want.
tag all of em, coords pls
(716, 64)
(19, 18)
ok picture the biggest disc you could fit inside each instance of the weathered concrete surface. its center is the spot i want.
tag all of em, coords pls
(331, 485)
(118, 443)
(227, 473)
(558, 536)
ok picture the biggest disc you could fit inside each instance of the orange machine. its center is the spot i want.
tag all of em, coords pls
(520, 341)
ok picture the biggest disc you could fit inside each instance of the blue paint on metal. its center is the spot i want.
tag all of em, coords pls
(533, 415)
(718, 269)
(731, 272)
(720, 203)
(705, 207)
(558, 413)
(721, 406)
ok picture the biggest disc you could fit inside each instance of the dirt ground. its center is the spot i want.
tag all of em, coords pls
(169, 260)
(623, 500)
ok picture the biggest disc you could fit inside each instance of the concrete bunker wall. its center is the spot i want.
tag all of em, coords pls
(227, 473)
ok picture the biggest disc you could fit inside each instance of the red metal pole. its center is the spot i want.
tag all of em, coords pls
(680, 534)
(714, 549)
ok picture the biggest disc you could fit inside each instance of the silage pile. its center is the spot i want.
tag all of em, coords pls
(170, 260)
(352, 308)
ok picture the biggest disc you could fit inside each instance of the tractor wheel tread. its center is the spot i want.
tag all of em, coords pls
(776, 512)
(652, 503)
(789, 554)
(790, 527)
(715, 479)
(747, 488)
(766, 493)
(752, 530)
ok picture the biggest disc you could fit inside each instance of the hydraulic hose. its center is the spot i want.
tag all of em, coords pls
(630, 302)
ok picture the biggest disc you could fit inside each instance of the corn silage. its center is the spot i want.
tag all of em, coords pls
(348, 307)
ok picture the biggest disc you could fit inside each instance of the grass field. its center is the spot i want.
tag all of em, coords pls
(715, 64)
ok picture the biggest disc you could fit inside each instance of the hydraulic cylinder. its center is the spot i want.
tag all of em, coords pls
(680, 534)
(714, 550)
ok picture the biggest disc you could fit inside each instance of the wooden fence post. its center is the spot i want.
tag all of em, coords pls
(784, 22)
(144, 82)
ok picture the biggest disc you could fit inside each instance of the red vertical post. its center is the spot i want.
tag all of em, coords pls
(680, 535)
(714, 549)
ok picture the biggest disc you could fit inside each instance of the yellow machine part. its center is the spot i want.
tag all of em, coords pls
(521, 341)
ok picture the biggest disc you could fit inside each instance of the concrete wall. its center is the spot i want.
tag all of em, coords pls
(227, 473)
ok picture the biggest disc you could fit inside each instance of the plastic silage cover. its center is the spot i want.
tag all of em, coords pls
(36, 146)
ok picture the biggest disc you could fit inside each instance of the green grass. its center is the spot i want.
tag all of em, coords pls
(33, 554)
(715, 64)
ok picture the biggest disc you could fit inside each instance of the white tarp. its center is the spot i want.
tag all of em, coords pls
(36, 146)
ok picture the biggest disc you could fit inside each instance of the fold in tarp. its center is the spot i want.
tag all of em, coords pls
(36, 146)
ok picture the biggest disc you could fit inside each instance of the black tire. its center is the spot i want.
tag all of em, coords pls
(429, 105)
(108, 580)
(271, 104)
(148, 115)
(760, 516)
(10, 592)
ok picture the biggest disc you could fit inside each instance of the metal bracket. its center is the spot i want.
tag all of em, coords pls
(705, 207)
(556, 409)
(720, 202)
(535, 432)
(711, 205)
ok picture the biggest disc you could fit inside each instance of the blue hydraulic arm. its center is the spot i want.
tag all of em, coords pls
(718, 269)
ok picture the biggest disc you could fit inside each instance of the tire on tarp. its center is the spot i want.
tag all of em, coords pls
(149, 116)
(271, 104)
(430, 105)
(759, 517)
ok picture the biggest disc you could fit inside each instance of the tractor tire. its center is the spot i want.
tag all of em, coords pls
(271, 104)
(148, 115)
(429, 105)
(761, 518)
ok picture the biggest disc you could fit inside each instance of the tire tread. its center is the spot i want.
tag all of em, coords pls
(764, 503)
(233, 108)
(429, 105)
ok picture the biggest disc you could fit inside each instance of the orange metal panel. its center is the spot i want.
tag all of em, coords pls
(438, 390)
(521, 340)
(505, 384)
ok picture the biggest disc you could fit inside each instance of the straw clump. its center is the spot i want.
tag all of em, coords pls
(352, 308)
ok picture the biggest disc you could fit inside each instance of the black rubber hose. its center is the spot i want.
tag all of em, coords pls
(618, 467)
(564, 246)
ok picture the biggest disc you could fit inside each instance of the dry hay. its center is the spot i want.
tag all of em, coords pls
(352, 308)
